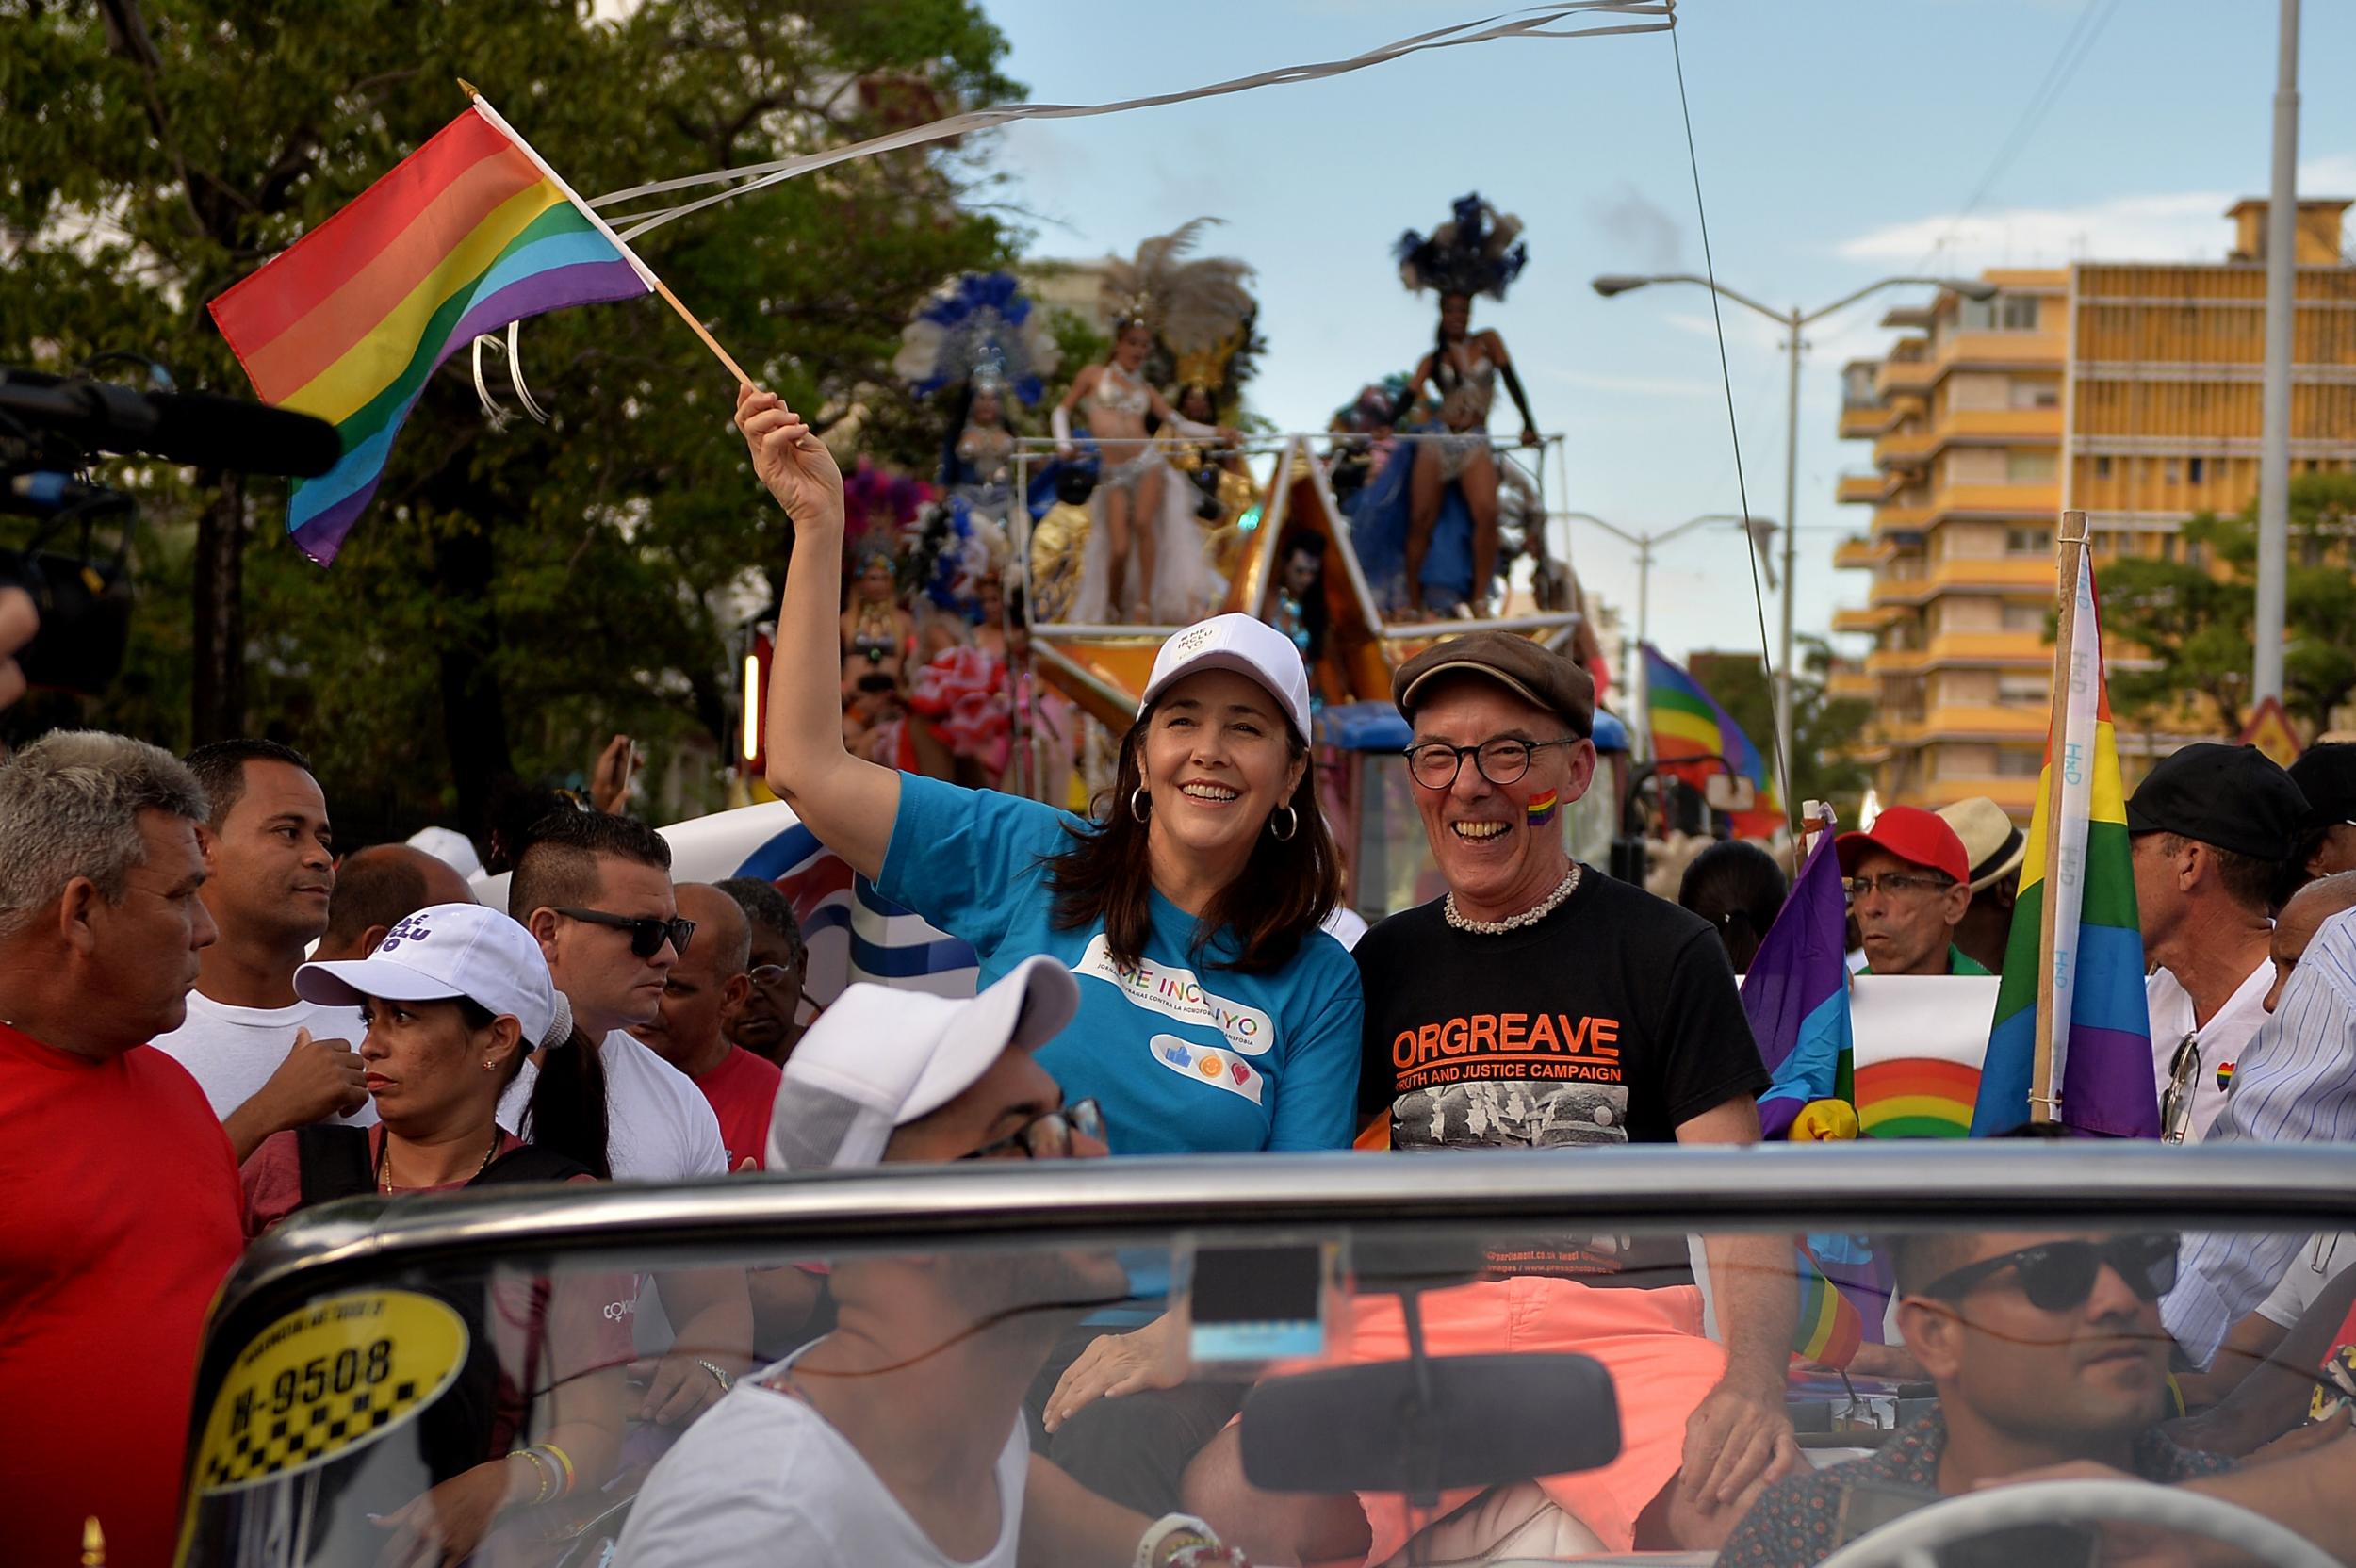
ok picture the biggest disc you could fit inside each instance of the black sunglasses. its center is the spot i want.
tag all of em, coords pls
(2059, 1276)
(647, 933)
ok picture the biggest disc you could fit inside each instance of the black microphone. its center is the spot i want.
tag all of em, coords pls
(198, 428)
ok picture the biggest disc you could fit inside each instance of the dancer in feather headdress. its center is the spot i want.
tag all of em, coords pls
(1143, 562)
(1477, 251)
(978, 340)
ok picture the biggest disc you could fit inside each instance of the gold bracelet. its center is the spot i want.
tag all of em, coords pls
(540, 1470)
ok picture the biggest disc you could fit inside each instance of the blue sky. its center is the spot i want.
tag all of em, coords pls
(1837, 141)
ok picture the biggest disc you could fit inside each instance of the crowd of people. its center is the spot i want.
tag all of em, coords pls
(214, 1021)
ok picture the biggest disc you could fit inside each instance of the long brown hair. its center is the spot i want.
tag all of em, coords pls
(1285, 889)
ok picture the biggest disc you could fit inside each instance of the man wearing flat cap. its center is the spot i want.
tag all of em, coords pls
(1542, 1004)
(2211, 827)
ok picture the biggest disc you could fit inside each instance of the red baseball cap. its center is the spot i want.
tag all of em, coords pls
(1918, 836)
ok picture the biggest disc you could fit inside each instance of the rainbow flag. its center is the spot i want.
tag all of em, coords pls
(468, 233)
(2103, 1057)
(1797, 995)
(1686, 721)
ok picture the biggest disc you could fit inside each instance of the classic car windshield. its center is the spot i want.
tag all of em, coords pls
(1512, 1386)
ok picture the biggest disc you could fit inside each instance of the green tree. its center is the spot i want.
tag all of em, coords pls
(514, 593)
(1824, 728)
(2194, 616)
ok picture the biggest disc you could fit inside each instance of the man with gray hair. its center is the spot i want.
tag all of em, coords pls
(122, 1207)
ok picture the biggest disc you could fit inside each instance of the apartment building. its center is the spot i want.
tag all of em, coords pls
(2129, 389)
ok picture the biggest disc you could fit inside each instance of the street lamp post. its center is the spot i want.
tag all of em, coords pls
(1793, 322)
(1633, 661)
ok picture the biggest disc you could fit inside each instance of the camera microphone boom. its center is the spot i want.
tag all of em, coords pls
(198, 428)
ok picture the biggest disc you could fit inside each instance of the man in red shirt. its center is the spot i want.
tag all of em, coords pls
(121, 1208)
(707, 981)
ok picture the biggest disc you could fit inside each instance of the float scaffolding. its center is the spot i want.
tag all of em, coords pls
(1101, 666)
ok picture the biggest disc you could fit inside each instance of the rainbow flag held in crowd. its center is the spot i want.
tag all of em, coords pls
(2102, 1058)
(1797, 995)
(468, 233)
(1686, 721)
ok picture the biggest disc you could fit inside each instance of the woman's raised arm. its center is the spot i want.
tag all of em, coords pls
(849, 803)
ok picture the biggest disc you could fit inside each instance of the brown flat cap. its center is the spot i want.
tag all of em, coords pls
(1530, 671)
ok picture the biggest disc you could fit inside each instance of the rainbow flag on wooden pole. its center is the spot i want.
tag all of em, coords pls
(1686, 721)
(468, 233)
(2072, 1039)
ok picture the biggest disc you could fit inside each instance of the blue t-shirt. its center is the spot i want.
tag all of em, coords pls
(1184, 1057)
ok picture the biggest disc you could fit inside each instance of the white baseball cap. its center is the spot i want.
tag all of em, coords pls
(1243, 645)
(441, 951)
(878, 1058)
(449, 846)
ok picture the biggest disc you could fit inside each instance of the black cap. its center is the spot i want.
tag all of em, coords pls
(2231, 797)
(2326, 774)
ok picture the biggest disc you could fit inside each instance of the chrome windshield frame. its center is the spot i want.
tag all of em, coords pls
(1776, 1186)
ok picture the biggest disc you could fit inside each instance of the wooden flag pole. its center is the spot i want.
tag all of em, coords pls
(2071, 546)
(482, 103)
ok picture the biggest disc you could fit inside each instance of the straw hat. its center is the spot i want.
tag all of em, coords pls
(1992, 842)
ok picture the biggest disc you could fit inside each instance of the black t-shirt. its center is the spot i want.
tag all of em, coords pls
(1611, 1020)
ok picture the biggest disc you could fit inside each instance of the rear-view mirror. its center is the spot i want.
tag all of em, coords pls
(1486, 1420)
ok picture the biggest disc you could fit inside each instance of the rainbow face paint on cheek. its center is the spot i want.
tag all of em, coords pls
(1539, 808)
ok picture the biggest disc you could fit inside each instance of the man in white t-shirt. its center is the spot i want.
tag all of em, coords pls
(898, 1439)
(266, 1060)
(2210, 827)
(595, 890)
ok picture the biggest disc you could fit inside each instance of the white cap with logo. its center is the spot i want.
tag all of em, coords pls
(1238, 643)
(879, 1058)
(442, 951)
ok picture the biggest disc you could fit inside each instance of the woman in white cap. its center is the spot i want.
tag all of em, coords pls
(455, 997)
(1214, 1015)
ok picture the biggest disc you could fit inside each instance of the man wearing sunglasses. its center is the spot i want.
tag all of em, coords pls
(1909, 886)
(595, 890)
(2046, 1350)
(898, 1439)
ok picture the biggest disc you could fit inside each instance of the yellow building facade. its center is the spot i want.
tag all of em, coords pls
(2129, 390)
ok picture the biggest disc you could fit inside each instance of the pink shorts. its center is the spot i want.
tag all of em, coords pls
(1651, 1341)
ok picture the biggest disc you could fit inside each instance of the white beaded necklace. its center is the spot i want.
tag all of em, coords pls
(1531, 916)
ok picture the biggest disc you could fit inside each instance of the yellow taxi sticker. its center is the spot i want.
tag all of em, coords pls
(332, 1377)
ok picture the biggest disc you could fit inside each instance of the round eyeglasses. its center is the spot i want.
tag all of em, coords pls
(1435, 764)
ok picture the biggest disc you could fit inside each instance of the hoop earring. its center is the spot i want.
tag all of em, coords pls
(1137, 797)
(1292, 825)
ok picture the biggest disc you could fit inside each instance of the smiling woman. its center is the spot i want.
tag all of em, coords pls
(1214, 1015)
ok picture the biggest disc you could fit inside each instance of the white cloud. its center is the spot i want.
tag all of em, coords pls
(2179, 226)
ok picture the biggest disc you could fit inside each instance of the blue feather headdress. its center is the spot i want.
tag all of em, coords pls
(977, 328)
(1478, 251)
